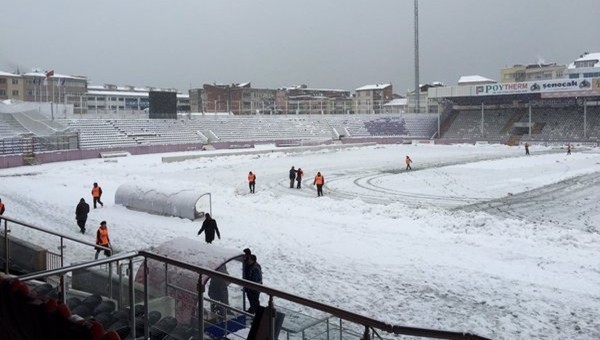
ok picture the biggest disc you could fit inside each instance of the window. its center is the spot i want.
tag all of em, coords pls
(15, 92)
(591, 75)
(15, 81)
(2, 92)
(2, 80)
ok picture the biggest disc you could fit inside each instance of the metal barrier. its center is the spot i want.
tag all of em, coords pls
(327, 328)
(56, 259)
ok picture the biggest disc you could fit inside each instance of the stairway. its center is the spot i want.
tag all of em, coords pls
(515, 118)
(448, 123)
(514, 140)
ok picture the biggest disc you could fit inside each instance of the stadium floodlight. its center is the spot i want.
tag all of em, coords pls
(417, 87)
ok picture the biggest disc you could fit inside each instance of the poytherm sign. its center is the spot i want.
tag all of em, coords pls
(542, 86)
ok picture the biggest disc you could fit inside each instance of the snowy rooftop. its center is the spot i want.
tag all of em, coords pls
(56, 75)
(8, 74)
(588, 57)
(397, 102)
(373, 87)
(474, 79)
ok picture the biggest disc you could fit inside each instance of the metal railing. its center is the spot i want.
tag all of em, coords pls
(371, 326)
(55, 259)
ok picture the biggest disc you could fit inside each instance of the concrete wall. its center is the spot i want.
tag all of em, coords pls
(24, 257)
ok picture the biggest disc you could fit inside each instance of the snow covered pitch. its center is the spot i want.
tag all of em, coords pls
(475, 238)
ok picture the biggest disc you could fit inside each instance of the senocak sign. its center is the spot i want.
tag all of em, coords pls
(542, 86)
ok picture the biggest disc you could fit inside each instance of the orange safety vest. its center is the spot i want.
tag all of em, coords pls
(408, 160)
(251, 178)
(318, 180)
(96, 191)
(102, 237)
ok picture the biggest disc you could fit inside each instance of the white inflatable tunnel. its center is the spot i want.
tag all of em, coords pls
(184, 203)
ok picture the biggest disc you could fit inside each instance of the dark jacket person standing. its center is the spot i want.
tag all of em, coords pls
(209, 226)
(254, 274)
(81, 214)
(292, 177)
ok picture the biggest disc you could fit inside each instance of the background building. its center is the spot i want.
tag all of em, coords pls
(531, 72)
(371, 98)
(587, 66)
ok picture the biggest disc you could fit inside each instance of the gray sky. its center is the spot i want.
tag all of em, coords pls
(275, 43)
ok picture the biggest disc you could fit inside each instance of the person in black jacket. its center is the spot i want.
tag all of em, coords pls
(254, 274)
(292, 177)
(209, 226)
(81, 214)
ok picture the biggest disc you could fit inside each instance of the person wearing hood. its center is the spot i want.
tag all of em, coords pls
(299, 174)
(209, 227)
(81, 214)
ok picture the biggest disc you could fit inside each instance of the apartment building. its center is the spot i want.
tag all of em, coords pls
(11, 86)
(371, 98)
(531, 72)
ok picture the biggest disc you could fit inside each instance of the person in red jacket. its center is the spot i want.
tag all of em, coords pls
(408, 162)
(97, 194)
(102, 239)
(251, 181)
(299, 175)
(319, 182)
(1, 207)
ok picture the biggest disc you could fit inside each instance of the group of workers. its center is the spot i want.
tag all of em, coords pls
(295, 176)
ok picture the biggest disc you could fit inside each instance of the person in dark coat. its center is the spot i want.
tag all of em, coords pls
(254, 274)
(246, 266)
(292, 177)
(209, 226)
(217, 290)
(81, 214)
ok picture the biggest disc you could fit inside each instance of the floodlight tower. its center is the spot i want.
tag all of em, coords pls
(417, 88)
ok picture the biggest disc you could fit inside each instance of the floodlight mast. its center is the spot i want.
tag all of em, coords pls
(417, 87)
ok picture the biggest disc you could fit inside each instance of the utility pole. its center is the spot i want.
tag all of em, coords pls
(417, 87)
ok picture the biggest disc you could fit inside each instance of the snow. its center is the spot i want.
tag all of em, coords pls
(480, 239)
(373, 87)
(474, 79)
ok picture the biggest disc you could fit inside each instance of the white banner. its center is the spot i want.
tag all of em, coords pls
(542, 86)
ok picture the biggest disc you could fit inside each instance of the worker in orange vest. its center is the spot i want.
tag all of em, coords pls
(251, 181)
(102, 239)
(1, 207)
(408, 161)
(319, 182)
(97, 194)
